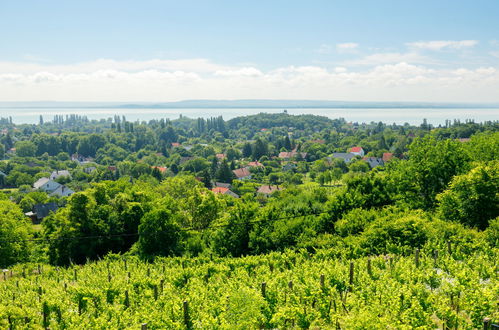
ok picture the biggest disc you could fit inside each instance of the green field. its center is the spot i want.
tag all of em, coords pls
(301, 290)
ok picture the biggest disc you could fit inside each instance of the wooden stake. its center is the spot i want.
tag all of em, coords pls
(322, 281)
(186, 314)
(264, 286)
(369, 269)
(486, 323)
(449, 247)
(351, 273)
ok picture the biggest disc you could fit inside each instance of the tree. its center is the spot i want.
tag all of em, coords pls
(224, 174)
(160, 233)
(472, 198)
(247, 150)
(15, 232)
(259, 149)
(25, 148)
(431, 165)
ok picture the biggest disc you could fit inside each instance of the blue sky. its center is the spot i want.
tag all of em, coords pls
(170, 50)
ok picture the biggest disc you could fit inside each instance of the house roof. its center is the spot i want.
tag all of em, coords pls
(220, 190)
(175, 144)
(291, 154)
(223, 185)
(255, 164)
(161, 169)
(62, 191)
(356, 149)
(40, 182)
(43, 210)
(220, 156)
(268, 189)
(56, 174)
(387, 156)
(241, 172)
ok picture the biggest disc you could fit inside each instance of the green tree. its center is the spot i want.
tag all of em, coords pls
(160, 233)
(25, 148)
(15, 232)
(472, 198)
(224, 174)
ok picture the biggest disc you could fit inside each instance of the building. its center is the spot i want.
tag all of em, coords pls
(345, 156)
(268, 190)
(374, 161)
(40, 211)
(291, 154)
(45, 184)
(62, 191)
(357, 151)
(242, 173)
(57, 174)
(224, 191)
(255, 164)
(387, 156)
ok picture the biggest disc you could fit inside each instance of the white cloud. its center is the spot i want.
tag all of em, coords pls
(442, 44)
(387, 58)
(324, 49)
(347, 47)
(386, 79)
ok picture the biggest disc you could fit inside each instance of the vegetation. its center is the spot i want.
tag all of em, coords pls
(300, 205)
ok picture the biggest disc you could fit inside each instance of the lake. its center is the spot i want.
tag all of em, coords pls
(434, 116)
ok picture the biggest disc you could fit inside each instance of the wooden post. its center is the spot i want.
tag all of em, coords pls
(108, 276)
(264, 286)
(127, 299)
(351, 275)
(322, 281)
(486, 323)
(143, 326)
(369, 269)
(155, 291)
(449, 247)
(186, 314)
(416, 257)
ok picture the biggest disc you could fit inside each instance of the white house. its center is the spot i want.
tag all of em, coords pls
(45, 184)
(357, 151)
(57, 174)
(62, 191)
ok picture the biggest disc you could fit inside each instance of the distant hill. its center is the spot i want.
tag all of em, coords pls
(279, 104)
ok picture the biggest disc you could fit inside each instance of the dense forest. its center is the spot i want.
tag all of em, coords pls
(251, 192)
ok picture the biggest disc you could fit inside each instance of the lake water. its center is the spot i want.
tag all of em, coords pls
(434, 116)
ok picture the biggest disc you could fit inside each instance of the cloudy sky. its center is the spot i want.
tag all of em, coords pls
(173, 50)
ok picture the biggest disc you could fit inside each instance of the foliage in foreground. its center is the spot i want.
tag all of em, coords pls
(301, 289)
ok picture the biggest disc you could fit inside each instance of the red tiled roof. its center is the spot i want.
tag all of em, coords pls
(241, 172)
(267, 189)
(175, 144)
(161, 169)
(220, 190)
(220, 156)
(356, 149)
(387, 156)
(255, 164)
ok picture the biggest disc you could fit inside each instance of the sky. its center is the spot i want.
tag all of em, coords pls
(153, 51)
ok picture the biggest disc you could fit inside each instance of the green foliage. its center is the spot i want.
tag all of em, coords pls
(15, 232)
(25, 148)
(472, 198)
(160, 233)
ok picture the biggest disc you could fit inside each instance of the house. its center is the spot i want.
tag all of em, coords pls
(289, 167)
(268, 190)
(374, 161)
(357, 151)
(89, 169)
(45, 184)
(175, 144)
(255, 164)
(224, 191)
(62, 191)
(57, 174)
(291, 154)
(242, 173)
(40, 211)
(160, 168)
(387, 156)
(220, 156)
(346, 156)
(222, 185)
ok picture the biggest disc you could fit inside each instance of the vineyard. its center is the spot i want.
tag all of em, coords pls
(294, 289)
